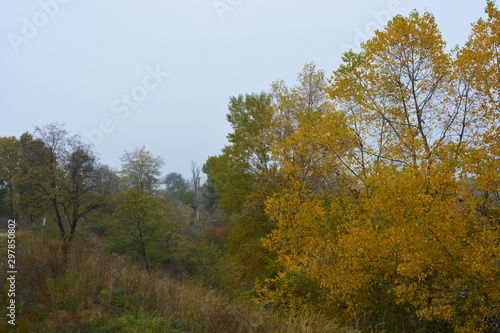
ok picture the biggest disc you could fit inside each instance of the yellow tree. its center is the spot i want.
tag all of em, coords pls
(403, 234)
(311, 158)
(479, 60)
(478, 64)
(247, 173)
(412, 121)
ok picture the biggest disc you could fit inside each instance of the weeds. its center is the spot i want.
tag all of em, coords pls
(72, 287)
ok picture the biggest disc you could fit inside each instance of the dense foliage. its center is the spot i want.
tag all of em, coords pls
(372, 197)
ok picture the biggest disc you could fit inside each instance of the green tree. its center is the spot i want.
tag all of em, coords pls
(241, 176)
(77, 184)
(141, 228)
(32, 177)
(241, 163)
(9, 162)
(23, 176)
(4, 211)
(175, 183)
(141, 171)
(209, 196)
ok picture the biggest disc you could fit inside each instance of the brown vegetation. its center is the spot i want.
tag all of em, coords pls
(64, 287)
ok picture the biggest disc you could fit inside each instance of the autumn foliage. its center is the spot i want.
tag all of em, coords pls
(389, 200)
(367, 199)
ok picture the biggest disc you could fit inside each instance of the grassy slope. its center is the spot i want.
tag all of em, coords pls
(79, 288)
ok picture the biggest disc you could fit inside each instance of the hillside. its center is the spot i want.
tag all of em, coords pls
(77, 288)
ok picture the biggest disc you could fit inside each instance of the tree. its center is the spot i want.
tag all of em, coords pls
(309, 153)
(175, 183)
(398, 95)
(243, 162)
(478, 64)
(210, 197)
(4, 211)
(32, 177)
(24, 175)
(180, 189)
(391, 209)
(77, 183)
(242, 176)
(141, 227)
(195, 171)
(9, 161)
(479, 59)
(141, 171)
(249, 170)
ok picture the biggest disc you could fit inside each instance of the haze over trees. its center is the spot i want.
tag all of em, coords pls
(371, 196)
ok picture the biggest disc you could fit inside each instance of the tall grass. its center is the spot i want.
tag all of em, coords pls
(64, 287)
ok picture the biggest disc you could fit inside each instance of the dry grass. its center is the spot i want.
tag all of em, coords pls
(67, 288)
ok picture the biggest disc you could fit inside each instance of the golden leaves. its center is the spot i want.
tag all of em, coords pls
(393, 191)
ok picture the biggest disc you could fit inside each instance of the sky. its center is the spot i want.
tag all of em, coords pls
(159, 73)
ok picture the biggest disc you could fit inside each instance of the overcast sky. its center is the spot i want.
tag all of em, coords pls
(159, 73)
